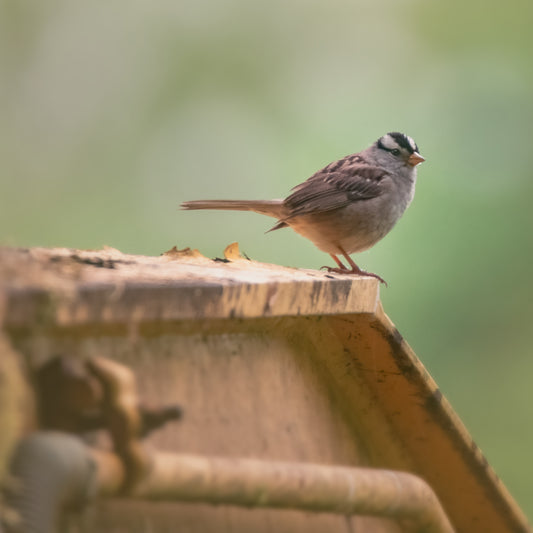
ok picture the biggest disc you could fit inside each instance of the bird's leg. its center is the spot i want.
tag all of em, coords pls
(341, 269)
(354, 268)
(338, 261)
(357, 270)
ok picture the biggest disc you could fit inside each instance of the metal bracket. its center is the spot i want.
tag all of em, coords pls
(78, 396)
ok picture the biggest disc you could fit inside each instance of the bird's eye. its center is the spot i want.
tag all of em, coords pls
(395, 151)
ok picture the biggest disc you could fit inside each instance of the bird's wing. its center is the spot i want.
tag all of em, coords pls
(335, 186)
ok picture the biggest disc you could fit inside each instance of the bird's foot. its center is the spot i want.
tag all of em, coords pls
(354, 272)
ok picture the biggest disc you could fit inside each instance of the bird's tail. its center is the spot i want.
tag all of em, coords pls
(272, 208)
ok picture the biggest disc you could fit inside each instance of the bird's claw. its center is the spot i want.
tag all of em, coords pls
(353, 272)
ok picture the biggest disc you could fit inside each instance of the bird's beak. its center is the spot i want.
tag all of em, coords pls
(414, 159)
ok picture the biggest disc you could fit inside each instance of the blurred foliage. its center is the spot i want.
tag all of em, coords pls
(114, 112)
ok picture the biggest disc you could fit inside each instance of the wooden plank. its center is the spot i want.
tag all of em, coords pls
(67, 287)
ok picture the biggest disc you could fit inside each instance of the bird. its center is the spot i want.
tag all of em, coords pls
(349, 205)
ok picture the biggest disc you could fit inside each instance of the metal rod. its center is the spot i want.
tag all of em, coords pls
(81, 473)
(311, 487)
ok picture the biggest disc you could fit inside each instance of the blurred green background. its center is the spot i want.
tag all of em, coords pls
(114, 112)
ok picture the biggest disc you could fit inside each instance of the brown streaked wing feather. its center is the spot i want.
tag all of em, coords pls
(336, 186)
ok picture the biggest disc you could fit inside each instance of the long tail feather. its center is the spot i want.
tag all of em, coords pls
(272, 208)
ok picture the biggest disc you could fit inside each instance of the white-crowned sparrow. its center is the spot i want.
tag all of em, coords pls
(349, 205)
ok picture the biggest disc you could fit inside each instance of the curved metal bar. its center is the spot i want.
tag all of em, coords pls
(311, 487)
(59, 471)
